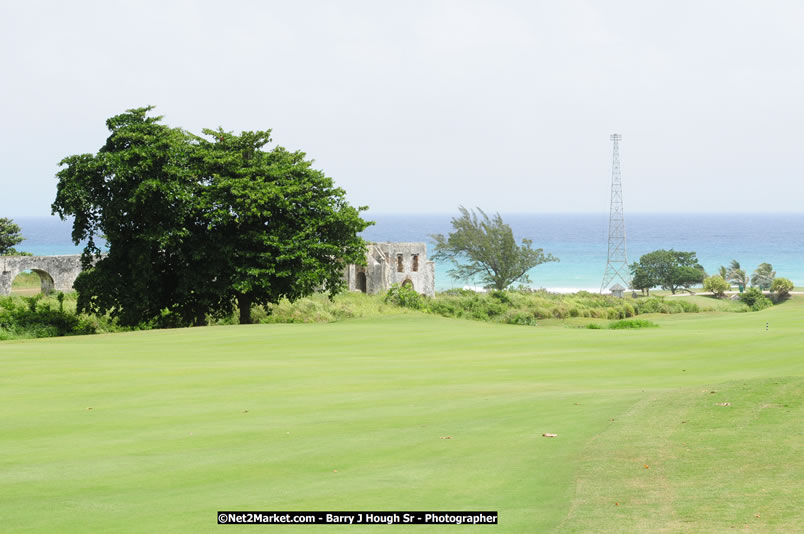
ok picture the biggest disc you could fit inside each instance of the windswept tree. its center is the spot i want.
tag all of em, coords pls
(781, 287)
(669, 269)
(737, 275)
(197, 227)
(10, 235)
(485, 247)
(763, 276)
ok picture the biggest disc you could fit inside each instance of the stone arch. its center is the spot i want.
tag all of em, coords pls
(408, 283)
(55, 272)
(46, 283)
(360, 282)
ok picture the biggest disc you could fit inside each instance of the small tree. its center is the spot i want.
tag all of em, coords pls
(717, 286)
(643, 278)
(670, 269)
(486, 247)
(763, 276)
(10, 235)
(781, 287)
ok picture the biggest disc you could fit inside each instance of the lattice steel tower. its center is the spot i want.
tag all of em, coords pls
(617, 263)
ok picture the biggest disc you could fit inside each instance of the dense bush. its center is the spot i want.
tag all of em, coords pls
(30, 318)
(405, 297)
(660, 305)
(526, 307)
(754, 298)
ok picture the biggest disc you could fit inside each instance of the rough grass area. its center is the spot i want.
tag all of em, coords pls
(509, 307)
(319, 308)
(26, 280)
(702, 459)
(708, 303)
(36, 316)
(155, 431)
(631, 323)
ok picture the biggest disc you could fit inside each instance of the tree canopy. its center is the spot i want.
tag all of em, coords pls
(485, 247)
(716, 285)
(781, 287)
(668, 269)
(10, 235)
(736, 275)
(198, 225)
(763, 276)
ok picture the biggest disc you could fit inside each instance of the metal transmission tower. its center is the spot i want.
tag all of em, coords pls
(617, 263)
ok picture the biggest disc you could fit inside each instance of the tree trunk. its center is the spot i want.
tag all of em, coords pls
(244, 303)
(200, 319)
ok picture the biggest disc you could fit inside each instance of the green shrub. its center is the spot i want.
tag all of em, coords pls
(650, 305)
(594, 326)
(632, 323)
(754, 298)
(404, 297)
(687, 306)
(518, 317)
(32, 317)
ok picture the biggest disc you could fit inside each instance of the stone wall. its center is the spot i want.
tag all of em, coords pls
(55, 272)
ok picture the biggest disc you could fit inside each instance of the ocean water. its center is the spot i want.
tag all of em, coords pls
(578, 240)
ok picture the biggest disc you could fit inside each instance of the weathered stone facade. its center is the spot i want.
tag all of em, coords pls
(387, 264)
(55, 272)
(393, 263)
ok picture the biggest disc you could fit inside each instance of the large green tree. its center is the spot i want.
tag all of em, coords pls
(138, 193)
(10, 235)
(485, 247)
(280, 228)
(197, 226)
(669, 269)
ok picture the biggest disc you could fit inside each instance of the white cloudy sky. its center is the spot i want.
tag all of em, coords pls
(422, 106)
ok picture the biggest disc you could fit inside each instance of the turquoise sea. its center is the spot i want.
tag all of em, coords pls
(578, 240)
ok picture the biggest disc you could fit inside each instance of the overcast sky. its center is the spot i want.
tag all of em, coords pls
(422, 106)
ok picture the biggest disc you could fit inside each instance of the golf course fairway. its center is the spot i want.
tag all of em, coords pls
(695, 426)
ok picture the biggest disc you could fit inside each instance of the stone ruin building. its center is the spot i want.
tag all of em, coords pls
(405, 264)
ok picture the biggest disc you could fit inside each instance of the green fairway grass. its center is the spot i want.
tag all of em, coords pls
(155, 431)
